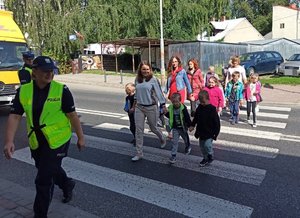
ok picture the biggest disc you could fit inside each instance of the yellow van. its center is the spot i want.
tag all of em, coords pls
(12, 44)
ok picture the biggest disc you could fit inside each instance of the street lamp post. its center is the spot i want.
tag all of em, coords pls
(162, 47)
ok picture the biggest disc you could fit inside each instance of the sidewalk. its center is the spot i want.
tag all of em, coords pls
(17, 201)
(277, 94)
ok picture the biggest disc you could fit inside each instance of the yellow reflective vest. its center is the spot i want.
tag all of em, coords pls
(53, 122)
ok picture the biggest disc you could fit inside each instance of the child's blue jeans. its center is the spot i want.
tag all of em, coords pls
(176, 135)
(206, 147)
(234, 110)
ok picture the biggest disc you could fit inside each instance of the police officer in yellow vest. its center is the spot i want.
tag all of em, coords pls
(50, 114)
(25, 72)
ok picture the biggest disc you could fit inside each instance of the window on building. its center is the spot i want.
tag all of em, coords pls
(282, 26)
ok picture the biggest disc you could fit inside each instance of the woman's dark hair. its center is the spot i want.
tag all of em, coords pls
(139, 76)
(170, 68)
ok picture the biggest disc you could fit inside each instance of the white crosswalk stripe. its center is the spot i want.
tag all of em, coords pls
(223, 145)
(279, 125)
(227, 130)
(264, 107)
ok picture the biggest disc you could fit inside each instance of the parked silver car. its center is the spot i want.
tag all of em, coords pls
(291, 67)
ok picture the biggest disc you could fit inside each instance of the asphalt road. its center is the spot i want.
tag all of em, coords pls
(255, 173)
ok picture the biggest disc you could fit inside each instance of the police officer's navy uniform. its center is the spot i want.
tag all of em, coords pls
(25, 72)
(49, 133)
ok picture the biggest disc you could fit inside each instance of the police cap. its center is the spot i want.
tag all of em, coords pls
(28, 55)
(44, 63)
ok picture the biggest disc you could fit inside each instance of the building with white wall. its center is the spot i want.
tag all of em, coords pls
(2, 5)
(286, 22)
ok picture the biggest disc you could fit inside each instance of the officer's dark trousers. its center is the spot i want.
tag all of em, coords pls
(48, 163)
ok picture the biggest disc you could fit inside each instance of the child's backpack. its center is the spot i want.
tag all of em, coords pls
(126, 106)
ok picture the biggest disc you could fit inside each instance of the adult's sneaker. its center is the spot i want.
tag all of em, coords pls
(172, 160)
(136, 158)
(188, 150)
(254, 125)
(203, 163)
(68, 191)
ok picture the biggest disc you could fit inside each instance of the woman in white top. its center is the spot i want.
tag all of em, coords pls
(235, 66)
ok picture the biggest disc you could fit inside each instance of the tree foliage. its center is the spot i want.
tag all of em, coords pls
(50, 22)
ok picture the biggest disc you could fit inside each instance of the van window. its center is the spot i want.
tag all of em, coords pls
(11, 55)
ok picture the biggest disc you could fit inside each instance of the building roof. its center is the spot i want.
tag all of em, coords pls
(226, 26)
(269, 41)
(141, 42)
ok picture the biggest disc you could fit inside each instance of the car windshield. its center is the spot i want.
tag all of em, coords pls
(295, 57)
(11, 55)
(248, 57)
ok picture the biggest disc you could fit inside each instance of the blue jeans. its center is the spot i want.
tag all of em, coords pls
(206, 147)
(234, 110)
(176, 134)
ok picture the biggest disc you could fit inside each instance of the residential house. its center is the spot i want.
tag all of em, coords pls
(286, 22)
(231, 31)
(2, 5)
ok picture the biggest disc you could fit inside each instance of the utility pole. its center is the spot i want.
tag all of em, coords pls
(297, 29)
(162, 46)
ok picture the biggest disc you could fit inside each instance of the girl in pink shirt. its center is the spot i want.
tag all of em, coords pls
(196, 80)
(216, 96)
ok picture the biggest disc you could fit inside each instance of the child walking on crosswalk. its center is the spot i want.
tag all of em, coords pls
(234, 96)
(179, 122)
(129, 108)
(207, 124)
(252, 96)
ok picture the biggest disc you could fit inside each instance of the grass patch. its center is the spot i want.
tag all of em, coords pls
(276, 79)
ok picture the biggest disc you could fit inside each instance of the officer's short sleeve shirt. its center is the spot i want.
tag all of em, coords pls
(24, 76)
(68, 105)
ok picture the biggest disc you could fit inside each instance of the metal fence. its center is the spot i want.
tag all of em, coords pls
(284, 46)
(218, 54)
(207, 53)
